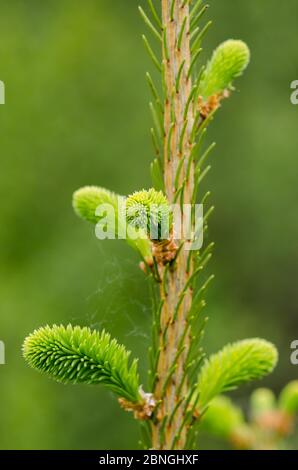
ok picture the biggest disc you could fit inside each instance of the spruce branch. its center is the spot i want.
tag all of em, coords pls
(183, 383)
(80, 355)
(180, 51)
(235, 364)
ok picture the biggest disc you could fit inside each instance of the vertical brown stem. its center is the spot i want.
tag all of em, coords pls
(165, 430)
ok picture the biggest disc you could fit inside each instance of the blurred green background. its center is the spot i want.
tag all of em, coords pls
(76, 113)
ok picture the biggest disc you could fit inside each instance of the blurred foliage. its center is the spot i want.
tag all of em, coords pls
(76, 113)
(270, 423)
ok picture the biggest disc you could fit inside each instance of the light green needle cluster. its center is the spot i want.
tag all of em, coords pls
(288, 400)
(228, 62)
(87, 199)
(235, 364)
(262, 400)
(85, 203)
(150, 211)
(79, 355)
(222, 417)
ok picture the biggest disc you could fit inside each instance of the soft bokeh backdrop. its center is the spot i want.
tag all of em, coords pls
(76, 113)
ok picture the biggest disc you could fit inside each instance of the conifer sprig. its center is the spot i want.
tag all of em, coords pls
(183, 385)
(80, 355)
(235, 364)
